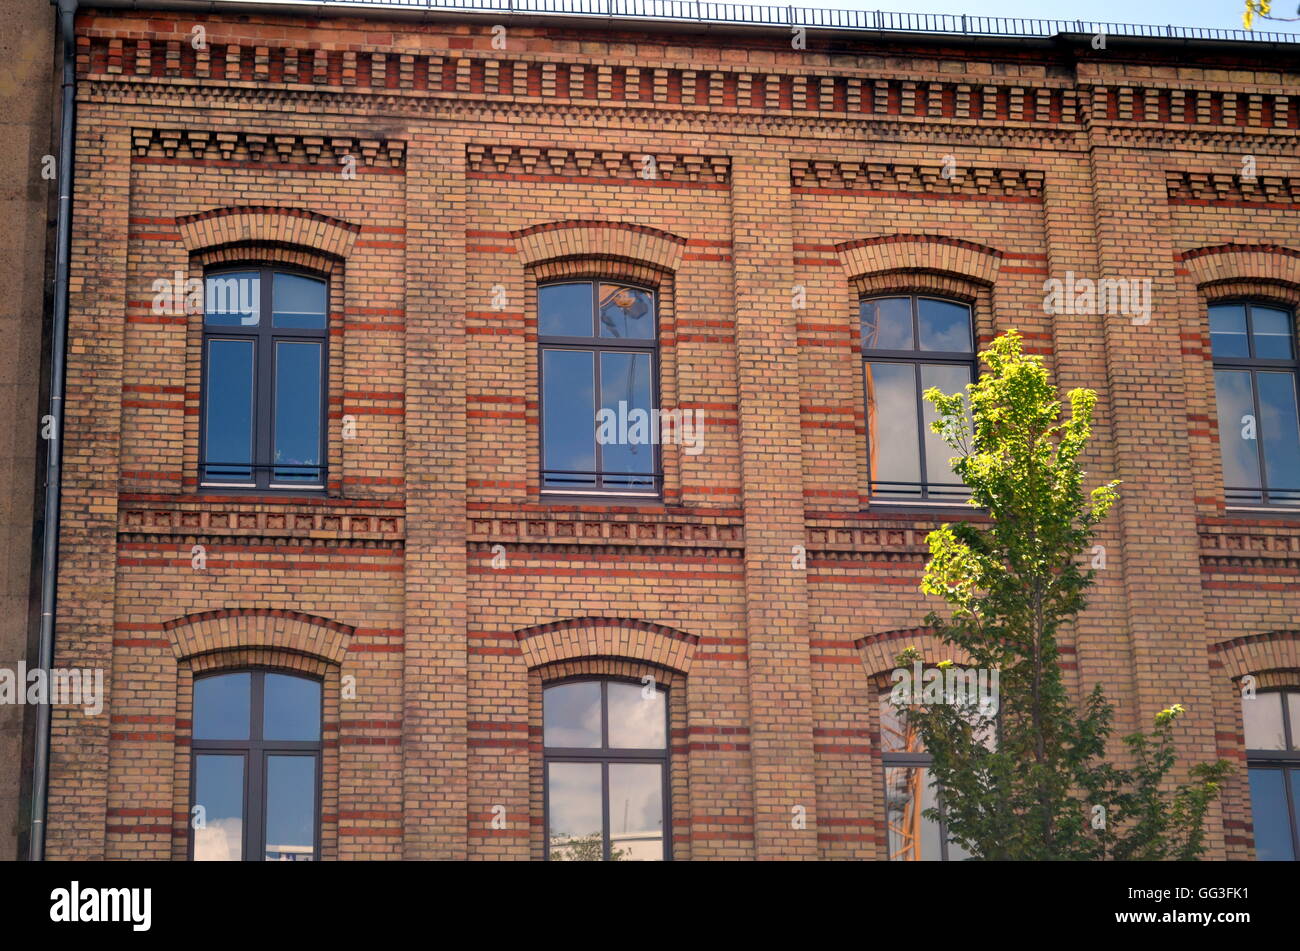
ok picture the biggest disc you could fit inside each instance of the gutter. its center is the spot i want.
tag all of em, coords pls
(53, 423)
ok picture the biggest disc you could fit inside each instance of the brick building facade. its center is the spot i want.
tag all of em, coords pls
(434, 173)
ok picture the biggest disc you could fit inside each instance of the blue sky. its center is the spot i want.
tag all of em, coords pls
(1221, 14)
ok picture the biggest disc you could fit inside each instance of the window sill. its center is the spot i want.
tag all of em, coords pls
(1265, 511)
(601, 498)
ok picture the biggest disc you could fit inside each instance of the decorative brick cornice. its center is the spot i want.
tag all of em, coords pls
(607, 637)
(1238, 262)
(333, 524)
(599, 240)
(855, 90)
(642, 167)
(231, 629)
(666, 532)
(327, 150)
(1228, 547)
(934, 180)
(1221, 187)
(925, 252)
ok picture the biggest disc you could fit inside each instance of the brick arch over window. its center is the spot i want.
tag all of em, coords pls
(1273, 659)
(265, 224)
(920, 252)
(1276, 653)
(255, 634)
(1255, 263)
(599, 241)
(880, 651)
(607, 637)
(239, 638)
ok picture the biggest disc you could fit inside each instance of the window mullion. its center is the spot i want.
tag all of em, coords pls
(264, 410)
(1259, 436)
(596, 399)
(604, 809)
(920, 429)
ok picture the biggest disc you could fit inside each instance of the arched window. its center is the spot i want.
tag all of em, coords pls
(1272, 727)
(599, 382)
(1255, 372)
(256, 767)
(265, 335)
(606, 771)
(910, 344)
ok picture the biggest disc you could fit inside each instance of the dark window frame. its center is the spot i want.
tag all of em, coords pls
(596, 345)
(255, 752)
(605, 755)
(1286, 761)
(951, 494)
(264, 337)
(1253, 365)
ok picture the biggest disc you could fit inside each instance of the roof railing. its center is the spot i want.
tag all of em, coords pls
(772, 15)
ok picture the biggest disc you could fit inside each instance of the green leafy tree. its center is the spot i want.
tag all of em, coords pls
(1043, 787)
(583, 848)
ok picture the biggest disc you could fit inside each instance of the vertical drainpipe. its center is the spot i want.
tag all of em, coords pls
(67, 11)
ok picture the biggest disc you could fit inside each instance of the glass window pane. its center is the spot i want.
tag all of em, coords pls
(564, 310)
(1262, 717)
(219, 790)
(291, 708)
(1238, 434)
(569, 418)
(1228, 330)
(297, 412)
(895, 735)
(939, 475)
(638, 717)
(232, 299)
(1274, 333)
(571, 715)
(573, 812)
(1280, 430)
(895, 459)
(626, 312)
(221, 707)
(886, 323)
(1293, 714)
(228, 410)
(636, 812)
(912, 838)
(1273, 841)
(943, 325)
(298, 302)
(626, 431)
(290, 808)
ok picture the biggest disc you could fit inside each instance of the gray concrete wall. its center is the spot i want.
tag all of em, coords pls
(27, 112)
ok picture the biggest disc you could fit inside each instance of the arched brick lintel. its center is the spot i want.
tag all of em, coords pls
(599, 239)
(235, 629)
(1237, 262)
(1258, 653)
(576, 638)
(919, 252)
(880, 651)
(267, 225)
